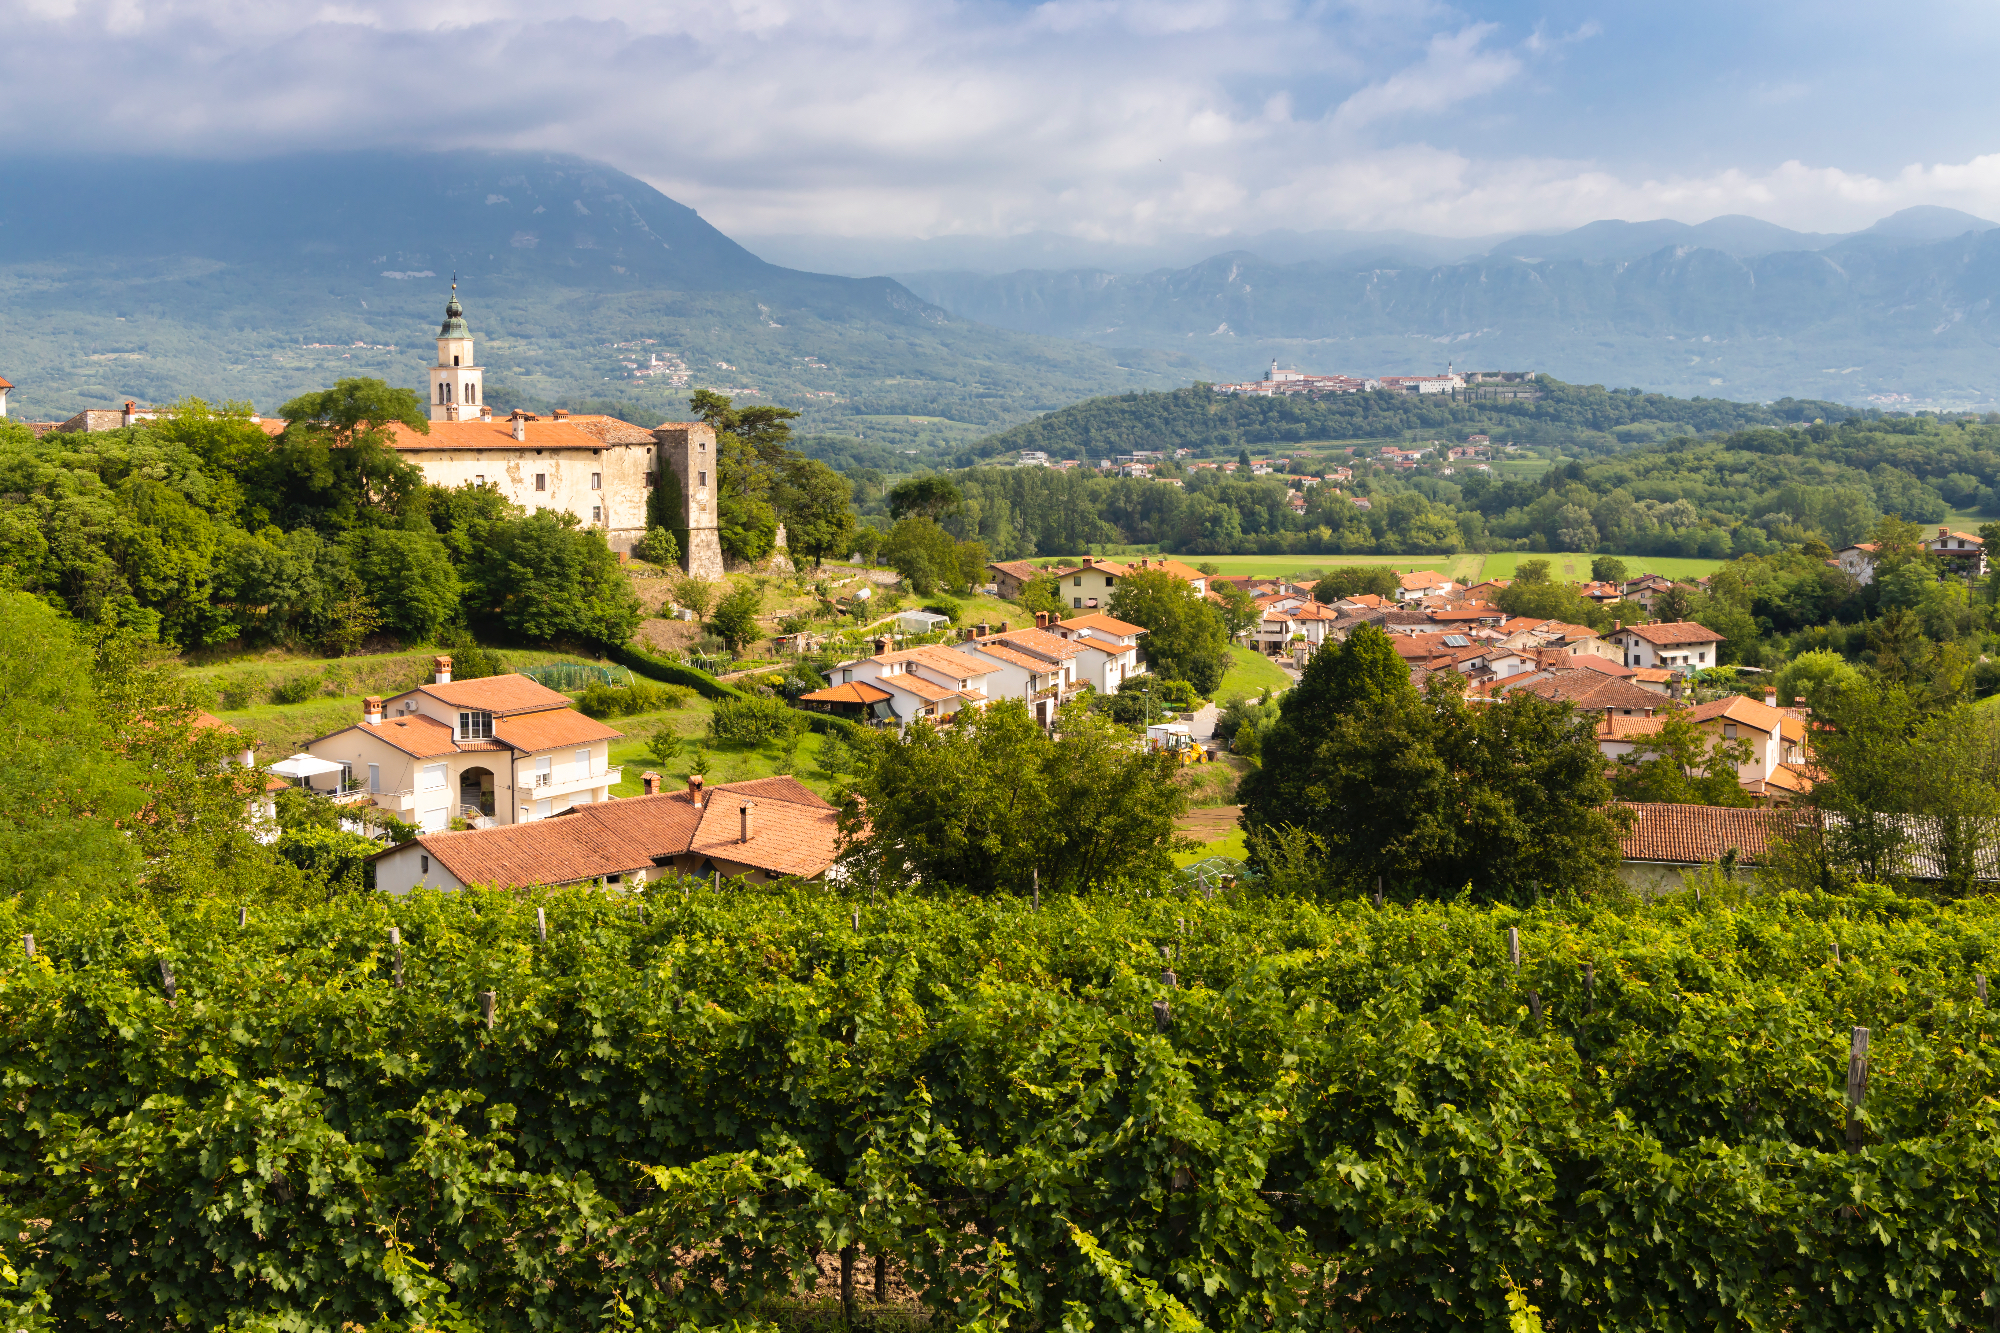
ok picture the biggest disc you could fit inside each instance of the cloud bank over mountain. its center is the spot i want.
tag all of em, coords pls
(1107, 120)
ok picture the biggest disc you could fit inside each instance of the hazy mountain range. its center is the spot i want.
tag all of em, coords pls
(258, 280)
(1898, 315)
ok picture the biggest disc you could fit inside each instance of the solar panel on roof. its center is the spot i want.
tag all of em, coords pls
(1457, 641)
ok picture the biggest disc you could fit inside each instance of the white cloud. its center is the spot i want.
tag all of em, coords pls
(1107, 119)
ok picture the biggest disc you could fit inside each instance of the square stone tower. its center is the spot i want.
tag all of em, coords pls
(457, 386)
(688, 475)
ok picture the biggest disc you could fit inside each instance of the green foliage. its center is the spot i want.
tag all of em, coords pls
(1185, 637)
(751, 456)
(1436, 797)
(1356, 581)
(1812, 675)
(945, 607)
(754, 720)
(927, 496)
(636, 696)
(1043, 594)
(408, 577)
(735, 618)
(544, 579)
(330, 856)
(335, 466)
(1682, 764)
(296, 689)
(675, 1110)
(1243, 723)
(1608, 569)
(982, 801)
(1239, 610)
(926, 556)
(71, 787)
(816, 504)
(660, 548)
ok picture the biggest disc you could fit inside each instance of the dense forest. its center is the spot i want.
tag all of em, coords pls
(1754, 491)
(1586, 417)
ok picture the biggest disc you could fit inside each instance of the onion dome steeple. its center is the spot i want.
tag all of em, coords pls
(454, 318)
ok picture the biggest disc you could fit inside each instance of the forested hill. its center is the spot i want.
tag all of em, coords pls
(1586, 418)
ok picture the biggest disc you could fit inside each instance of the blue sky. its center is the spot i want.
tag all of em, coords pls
(1107, 119)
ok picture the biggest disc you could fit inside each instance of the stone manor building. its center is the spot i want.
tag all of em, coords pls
(598, 468)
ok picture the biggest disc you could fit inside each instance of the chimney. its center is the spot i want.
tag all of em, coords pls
(371, 711)
(881, 646)
(1770, 696)
(981, 630)
(485, 412)
(131, 412)
(694, 788)
(1942, 532)
(1088, 561)
(443, 676)
(651, 782)
(562, 414)
(1041, 620)
(745, 810)
(520, 420)
(1617, 625)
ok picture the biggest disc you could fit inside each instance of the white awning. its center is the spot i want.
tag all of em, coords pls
(303, 766)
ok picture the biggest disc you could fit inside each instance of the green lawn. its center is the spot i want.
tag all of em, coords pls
(1575, 567)
(1231, 846)
(1250, 673)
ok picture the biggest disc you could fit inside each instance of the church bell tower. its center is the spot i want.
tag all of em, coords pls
(457, 386)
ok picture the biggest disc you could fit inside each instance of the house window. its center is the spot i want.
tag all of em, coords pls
(583, 763)
(651, 481)
(479, 479)
(1729, 731)
(597, 481)
(704, 478)
(375, 778)
(424, 865)
(472, 393)
(541, 481)
(597, 513)
(430, 777)
(1107, 580)
(475, 726)
(454, 361)
(1076, 602)
(1078, 583)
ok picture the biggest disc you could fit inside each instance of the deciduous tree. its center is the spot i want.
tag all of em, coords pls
(1185, 638)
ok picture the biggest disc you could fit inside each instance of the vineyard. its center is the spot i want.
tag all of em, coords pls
(578, 1111)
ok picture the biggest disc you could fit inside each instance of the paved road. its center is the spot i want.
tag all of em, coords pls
(1201, 724)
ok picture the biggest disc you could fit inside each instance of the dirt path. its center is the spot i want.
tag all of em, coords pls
(1211, 823)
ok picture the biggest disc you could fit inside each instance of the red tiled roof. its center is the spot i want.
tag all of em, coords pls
(412, 733)
(911, 683)
(857, 692)
(552, 727)
(1675, 633)
(1020, 569)
(946, 662)
(575, 433)
(1098, 620)
(494, 694)
(1587, 690)
(793, 832)
(1693, 834)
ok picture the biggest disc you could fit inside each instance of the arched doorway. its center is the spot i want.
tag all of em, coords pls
(475, 792)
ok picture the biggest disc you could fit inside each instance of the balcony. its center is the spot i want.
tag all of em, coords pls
(541, 786)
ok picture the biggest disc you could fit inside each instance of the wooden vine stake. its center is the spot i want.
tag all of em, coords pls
(857, 923)
(1167, 977)
(28, 943)
(167, 981)
(1036, 881)
(1378, 890)
(242, 917)
(541, 925)
(1514, 947)
(396, 943)
(1857, 1086)
(1978, 983)
(486, 998)
(1535, 1004)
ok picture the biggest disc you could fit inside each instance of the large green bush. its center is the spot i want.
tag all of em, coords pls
(753, 720)
(1320, 1117)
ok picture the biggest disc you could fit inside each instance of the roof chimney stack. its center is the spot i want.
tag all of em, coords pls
(745, 810)
(881, 645)
(371, 711)
(562, 414)
(1770, 696)
(1041, 620)
(694, 788)
(651, 781)
(486, 412)
(443, 676)
(131, 412)
(520, 420)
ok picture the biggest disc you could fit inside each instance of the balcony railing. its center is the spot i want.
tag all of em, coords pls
(543, 784)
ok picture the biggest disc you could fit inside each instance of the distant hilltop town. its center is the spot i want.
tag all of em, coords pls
(1479, 383)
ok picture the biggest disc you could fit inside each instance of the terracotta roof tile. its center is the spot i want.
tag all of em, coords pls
(575, 433)
(857, 692)
(1675, 633)
(1739, 708)
(1693, 834)
(413, 733)
(1099, 621)
(793, 832)
(550, 728)
(494, 694)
